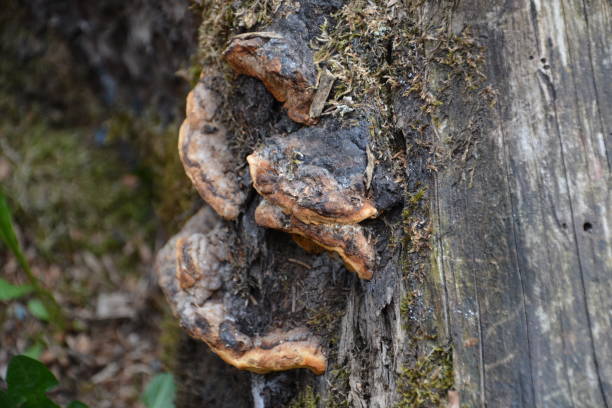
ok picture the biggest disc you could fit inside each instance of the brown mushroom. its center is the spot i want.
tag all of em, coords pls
(348, 241)
(284, 66)
(203, 148)
(315, 174)
(191, 269)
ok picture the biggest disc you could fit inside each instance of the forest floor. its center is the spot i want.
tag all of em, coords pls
(87, 214)
(94, 190)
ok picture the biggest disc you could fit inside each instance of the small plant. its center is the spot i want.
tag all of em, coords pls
(28, 381)
(8, 291)
(160, 392)
(44, 307)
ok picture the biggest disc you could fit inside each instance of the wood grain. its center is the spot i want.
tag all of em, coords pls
(526, 248)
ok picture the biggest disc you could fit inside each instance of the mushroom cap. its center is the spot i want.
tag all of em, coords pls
(284, 66)
(315, 174)
(348, 241)
(191, 269)
(203, 148)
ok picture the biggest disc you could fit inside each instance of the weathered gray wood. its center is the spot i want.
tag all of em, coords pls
(525, 246)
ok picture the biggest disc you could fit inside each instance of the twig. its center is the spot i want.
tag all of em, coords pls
(296, 261)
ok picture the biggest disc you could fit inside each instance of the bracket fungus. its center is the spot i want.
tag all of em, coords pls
(315, 174)
(348, 241)
(192, 268)
(203, 148)
(283, 65)
(314, 185)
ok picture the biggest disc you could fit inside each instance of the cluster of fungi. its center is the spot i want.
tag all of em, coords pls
(311, 184)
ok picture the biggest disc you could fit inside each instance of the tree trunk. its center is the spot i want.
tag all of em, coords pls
(495, 242)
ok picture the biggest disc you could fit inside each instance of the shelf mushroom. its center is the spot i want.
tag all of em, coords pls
(204, 150)
(348, 241)
(192, 268)
(283, 65)
(315, 174)
(313, 184)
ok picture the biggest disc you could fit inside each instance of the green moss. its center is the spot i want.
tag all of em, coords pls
(426, 384)
(378, 52)
(355, 50)
(415, 198)
(214, 31)
(254, 12)
(412, 204)
(406, 305)
(222, 19)
(355, 47)
(323, 318)
(305, 399)
(416, 223)
(324, 322)
(338, 389)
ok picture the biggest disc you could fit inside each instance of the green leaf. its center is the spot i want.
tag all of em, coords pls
(160, 392)
(7, 234)
(9, 401)
(77, 404)
(28, 377)
(35, 350)
(4, 399)
(52, 310)
(40, 401)
(38, 309)
(9, 291)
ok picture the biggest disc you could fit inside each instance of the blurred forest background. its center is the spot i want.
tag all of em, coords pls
(91, 97)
